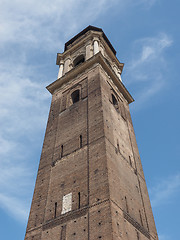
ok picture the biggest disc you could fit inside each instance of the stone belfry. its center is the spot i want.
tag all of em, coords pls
(90, 183)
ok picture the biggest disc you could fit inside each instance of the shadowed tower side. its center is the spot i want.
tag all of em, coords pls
(90, 183)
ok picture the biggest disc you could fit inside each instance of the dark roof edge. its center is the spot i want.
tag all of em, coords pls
(86, 30)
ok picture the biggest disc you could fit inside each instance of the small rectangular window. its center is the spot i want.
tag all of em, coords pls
(127, 210)
(130, 161)
(61, 153)
(118, 148)
(80, 141)
(79, 200)
(75, 96)
(55, 209)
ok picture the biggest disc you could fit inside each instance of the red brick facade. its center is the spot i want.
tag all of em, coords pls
(90, 183)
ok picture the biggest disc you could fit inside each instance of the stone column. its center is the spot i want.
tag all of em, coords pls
(96, 47)
(119, 76)
(88, 51)
(61, 67)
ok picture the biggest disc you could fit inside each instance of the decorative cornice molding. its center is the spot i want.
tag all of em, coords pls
(96, 59)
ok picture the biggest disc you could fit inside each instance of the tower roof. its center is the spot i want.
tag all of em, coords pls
(86, 30)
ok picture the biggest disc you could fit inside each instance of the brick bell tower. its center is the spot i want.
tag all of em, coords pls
(90, 183)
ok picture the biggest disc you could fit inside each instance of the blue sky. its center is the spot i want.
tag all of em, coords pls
(146, 36)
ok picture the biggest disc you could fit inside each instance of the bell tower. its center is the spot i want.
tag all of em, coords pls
(90, 183)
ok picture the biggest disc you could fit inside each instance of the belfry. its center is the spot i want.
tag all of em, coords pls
(90, 183)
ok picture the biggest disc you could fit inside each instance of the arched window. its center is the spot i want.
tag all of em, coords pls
(114, 100)
(78, 60)
(75, 96)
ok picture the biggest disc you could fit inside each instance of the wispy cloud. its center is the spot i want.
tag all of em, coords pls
(23, 107)
(165, 190)
(44, 23)
(164, 237)
(14, 207)
(148, 66)
(150, 49)
(147, 3)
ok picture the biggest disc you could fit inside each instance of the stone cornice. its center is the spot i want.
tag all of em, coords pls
(96, 59)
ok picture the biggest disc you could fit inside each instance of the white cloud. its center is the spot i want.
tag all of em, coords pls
(147, 67)
(23, 104)
(150, 49)
(14, 207)
(41, 23)
(15, 182)
(19, 98)
(165, 190)
(163, 237)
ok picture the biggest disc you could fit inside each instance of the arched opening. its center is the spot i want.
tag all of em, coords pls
(80, 59)
(114, 100)
(75, 96)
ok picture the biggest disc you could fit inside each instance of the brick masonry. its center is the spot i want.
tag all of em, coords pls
(90, 156)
